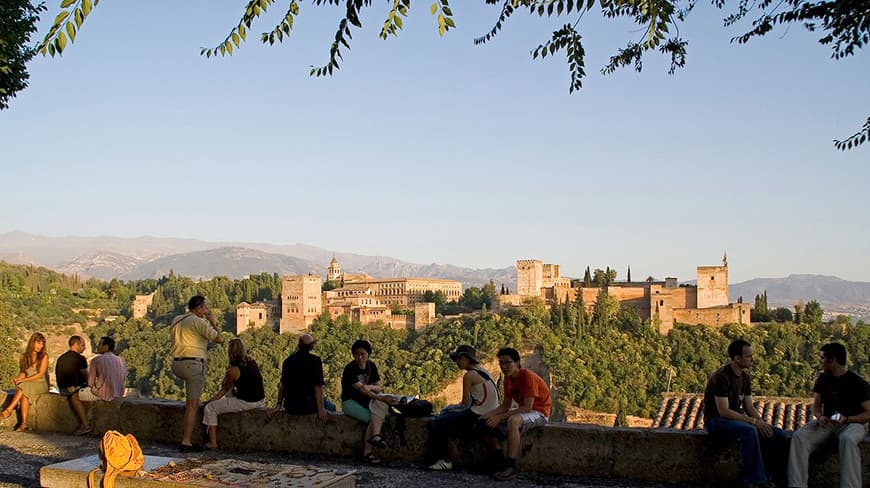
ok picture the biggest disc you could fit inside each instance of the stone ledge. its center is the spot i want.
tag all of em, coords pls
(566, 449)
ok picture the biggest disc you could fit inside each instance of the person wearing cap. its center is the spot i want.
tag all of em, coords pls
(190, 334)
(300, 391)
(532, 396)
(479, 395)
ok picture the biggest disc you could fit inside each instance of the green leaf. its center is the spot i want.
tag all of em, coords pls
(235, 39)
(86, 7)
(60, 17)
(79, 16)
(242, 32)
(398, 21)
(61, 42)
(434, 7)
(71, 31)
(449, 21)
(67, 3)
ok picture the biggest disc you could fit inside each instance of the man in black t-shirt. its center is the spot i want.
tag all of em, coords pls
(71, 372)
(300, 391)
(729, 414)
(841, 405)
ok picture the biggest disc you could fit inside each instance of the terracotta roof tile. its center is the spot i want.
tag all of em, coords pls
(684, 411)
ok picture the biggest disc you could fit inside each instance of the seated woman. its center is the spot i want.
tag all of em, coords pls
(479, 395)
(242, 390)
(362, 397)
(32, 379)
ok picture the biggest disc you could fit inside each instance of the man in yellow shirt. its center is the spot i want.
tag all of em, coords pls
(190, 335)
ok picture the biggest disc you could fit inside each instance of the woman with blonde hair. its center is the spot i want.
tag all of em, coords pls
(242, 390)
(32, 379)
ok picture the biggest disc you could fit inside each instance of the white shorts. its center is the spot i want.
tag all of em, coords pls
(530, 420)
(86, 394)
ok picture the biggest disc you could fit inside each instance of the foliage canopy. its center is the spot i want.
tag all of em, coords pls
(18, 20)
(843, 24)
(606, 360)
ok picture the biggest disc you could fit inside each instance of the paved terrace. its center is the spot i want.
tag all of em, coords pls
(22, 454)
(555, 455)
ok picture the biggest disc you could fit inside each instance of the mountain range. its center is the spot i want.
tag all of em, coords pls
(152, 257)
(108, 257)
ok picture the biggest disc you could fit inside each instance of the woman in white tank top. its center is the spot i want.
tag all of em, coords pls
(479, 396)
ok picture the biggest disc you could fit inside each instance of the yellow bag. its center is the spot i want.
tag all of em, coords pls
(119, 455)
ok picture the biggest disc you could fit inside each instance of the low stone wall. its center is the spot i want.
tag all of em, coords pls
(569, 449)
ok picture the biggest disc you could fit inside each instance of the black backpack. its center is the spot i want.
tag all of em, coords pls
(415, 408)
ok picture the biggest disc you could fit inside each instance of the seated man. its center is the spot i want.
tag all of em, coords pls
(106, 376)
(71, 372)
(730, 414)
(841, 405)
(479, 395)
(533, 397)
(300, 391)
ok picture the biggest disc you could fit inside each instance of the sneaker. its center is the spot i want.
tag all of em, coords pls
(372, 459)
(441, 465)
(507, 474)
(83, 430)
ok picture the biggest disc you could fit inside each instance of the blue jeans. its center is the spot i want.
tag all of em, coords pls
(755, 450)
(443, 425)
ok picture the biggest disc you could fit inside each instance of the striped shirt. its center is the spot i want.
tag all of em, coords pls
(107, 376)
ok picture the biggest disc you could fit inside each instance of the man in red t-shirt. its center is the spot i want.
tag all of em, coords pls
(532, 396)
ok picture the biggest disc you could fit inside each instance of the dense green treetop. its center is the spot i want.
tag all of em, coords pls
(609, 360)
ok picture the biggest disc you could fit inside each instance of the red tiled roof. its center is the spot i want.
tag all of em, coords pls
(684, 411)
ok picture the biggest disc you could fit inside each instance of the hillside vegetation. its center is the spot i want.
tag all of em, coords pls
(608, 360)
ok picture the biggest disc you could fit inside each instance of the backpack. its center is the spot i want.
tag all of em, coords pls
(119, 455)
(415, 408)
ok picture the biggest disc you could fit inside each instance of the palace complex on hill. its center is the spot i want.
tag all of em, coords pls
(663, 302)
(361, 297)
(366, 299)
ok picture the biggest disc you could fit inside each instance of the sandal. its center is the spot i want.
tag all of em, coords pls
(372, 459)
(22, 427)
(5, 414)
(378, 442)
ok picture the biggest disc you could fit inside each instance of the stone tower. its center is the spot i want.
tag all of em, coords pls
(713, 285)
(530, 277)
(333, 272)
(300, 302)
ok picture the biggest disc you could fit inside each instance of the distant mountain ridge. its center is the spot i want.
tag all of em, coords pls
(151, 257)
(793, 288)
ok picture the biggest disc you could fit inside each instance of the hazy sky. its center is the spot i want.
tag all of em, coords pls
(430, 149)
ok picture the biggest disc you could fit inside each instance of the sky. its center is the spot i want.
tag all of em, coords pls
(431, 149)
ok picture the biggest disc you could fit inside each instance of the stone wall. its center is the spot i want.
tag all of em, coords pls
(735, 313)
(566, 449)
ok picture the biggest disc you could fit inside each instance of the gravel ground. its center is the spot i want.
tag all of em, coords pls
(22, 454)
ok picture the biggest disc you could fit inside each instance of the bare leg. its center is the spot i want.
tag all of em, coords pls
(16, 398)
(78, 408)
(515, 423)
(25, 408)
(367, 449)
(375, 425)
(212, 436)
(191, 408)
